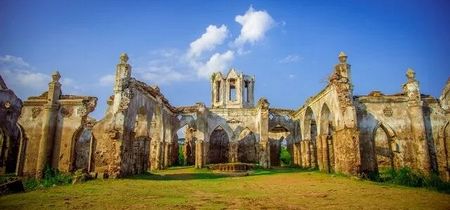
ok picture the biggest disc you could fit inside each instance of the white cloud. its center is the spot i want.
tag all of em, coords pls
(291, 76)
(20, 77)
(161, 75)
(209, 40)
(164, 67)
(217, 62)
(255, 24)
(107, 80)
(291, 59)
(25, 81)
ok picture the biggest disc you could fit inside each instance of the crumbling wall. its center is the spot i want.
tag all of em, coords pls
(137, 131)
(50, 123)
(339, 125)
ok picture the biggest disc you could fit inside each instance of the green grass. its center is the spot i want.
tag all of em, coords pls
(52, 177)
(407, 177)
(188, 188)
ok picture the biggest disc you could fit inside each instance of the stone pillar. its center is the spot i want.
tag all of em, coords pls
(48, 125)
(201, 135)
(199, 162)
(263, 129)
(324, 152)
(309, 156)
(233, 152)
(415, 113)
(297, 158)
(166, 154)
(157, 147)
(294, 154)
(251, 92)
(319, 152)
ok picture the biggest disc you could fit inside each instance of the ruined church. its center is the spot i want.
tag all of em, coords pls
(334, 130)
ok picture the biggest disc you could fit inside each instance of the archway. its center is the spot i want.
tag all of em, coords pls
(141, 141)
(311, 129)
(383, 149)
(186, 146)
(326, 134)
(247, 147)
(218, 146)
(279, 145)
(83, 144)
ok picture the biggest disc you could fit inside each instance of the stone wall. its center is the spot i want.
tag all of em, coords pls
(51, 124)
(333, 131)
(138, 130)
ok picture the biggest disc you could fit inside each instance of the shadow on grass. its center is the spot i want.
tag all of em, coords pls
(173, 174)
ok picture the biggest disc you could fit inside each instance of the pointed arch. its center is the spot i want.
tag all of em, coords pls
(326, 141)
(225, 127)
(326, 119)
(247, 147)
(310, 126)
(218, 146)
(185, 120)
(309, 123)
(384, 141)
(82, 144)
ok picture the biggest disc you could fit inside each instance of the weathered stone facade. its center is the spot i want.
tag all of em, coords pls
(333, 131)
(52, 125)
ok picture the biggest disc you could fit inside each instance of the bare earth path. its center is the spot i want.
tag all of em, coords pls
(187, 188)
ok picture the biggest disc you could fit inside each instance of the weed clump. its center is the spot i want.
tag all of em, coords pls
(52, 177)
(407, 177)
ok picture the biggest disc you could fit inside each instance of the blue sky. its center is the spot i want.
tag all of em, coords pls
(290, 46)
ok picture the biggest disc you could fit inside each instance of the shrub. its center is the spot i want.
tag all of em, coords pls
(285, 157)
(52, 177)
(407, 177)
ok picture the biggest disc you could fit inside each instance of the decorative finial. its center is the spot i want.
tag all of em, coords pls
(56, 76)
(410, 74)
(123, 58)
(342, 57)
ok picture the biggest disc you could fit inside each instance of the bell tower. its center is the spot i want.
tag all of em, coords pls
(234, 90)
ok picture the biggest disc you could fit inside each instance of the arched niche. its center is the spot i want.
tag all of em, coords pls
(247, 147)
(327, 140)
(310, 126)
(219, 143)
(280, 139)
(185, 137)
(384, 146)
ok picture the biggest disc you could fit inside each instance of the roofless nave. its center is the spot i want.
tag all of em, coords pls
(333, 131)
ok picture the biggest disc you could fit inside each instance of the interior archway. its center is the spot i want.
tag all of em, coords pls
(311, 129)
(247, 147)
(83, 139)
(186, 146)
(326, 128)
(218, 146)
(383, 150)
(279, 145)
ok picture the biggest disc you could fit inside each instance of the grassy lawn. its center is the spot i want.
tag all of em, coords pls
(187, 188)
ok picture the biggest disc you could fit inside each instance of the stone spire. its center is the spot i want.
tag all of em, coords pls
(54, 88)
(341, 79)
(411, 87)
(123, 72)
